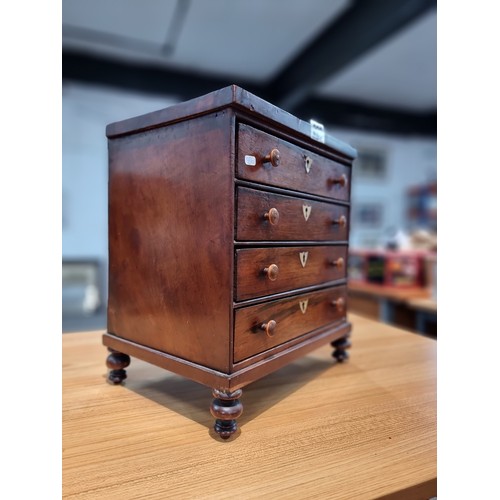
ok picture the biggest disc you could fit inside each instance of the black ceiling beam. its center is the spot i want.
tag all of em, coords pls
(143, 78)
(353, 115)
(356, 31)
(183, 85)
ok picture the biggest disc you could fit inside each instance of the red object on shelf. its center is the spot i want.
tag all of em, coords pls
(403, 268)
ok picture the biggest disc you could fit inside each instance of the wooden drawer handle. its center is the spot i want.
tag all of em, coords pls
(272, 272)
(338, 263)
(339, 304)
(269, 327)
(341, 221)
(341, 181)
(274, 158)
(273, 216)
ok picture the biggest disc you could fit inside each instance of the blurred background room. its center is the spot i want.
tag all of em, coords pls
(365, 69)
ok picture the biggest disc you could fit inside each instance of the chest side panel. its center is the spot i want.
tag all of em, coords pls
(170, 239)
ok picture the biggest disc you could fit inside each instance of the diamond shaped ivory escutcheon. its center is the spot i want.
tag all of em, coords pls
(306, 210)
(303, 258)
(303, 305)
(307, 164)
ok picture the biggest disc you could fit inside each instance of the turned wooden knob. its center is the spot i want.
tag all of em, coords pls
(339, 303)
(274, 158)
(341, 221)
(272, 272)
(338, 263)
(341, 181)
(269, 327)
(273, 216)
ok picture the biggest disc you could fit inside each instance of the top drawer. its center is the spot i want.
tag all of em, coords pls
(268, 160)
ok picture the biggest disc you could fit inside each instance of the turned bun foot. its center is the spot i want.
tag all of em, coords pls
(226, 408)
(340, 353)
(117, 362)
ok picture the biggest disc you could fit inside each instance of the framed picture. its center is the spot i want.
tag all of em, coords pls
(368, 214)
(371, 164)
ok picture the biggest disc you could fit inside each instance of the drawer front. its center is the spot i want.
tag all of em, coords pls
(261, 327)
(268, 216)
(264, 271)
(296, 168)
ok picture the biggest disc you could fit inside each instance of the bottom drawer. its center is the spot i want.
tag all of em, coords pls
(260, 327)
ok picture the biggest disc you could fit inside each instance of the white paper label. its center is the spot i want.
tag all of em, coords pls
(317, 131)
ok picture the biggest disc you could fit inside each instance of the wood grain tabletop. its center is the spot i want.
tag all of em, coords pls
(364, 429)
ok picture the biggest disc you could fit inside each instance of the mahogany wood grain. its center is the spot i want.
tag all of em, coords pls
(324, 178)
(297, 267)
(252, 107)
(242, 373)
(359, 430)
(323, 223)
(294, 316)
(170, 239)
(263, 363)
(178, 213)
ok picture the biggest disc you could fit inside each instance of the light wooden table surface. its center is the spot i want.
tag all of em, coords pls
(364, 429)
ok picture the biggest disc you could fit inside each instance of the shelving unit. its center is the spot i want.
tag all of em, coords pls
(422, 207)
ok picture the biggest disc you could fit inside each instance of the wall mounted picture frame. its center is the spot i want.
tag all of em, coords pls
(371, 164)
(368, 214)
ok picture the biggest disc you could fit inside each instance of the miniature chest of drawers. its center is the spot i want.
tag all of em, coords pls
(228, 237)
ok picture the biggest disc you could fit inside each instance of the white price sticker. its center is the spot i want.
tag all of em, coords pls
(317, 131)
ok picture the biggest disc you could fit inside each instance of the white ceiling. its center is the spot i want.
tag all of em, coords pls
(254, 40)
(400, 73)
